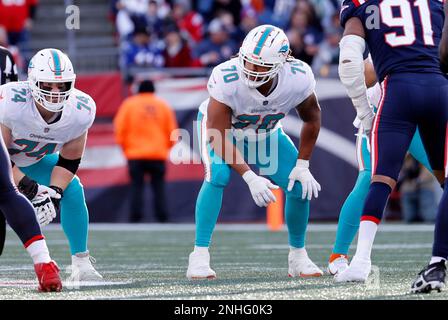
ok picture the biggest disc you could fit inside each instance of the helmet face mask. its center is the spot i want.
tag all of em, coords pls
(51, 79)
(51, 99)
(265, 46)
(255, 79)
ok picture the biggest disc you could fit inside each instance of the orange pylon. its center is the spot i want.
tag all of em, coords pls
(274, 212)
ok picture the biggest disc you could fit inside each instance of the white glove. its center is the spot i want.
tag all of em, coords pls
(44, 189)
(44, 208)
(302, 174)
(260, 188)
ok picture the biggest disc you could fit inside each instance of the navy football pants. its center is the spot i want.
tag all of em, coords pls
(409, 100)
(17, 210)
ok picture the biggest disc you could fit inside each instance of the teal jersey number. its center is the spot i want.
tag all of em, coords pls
(297, 66)
(19, 96)
(230, 77)
(246, 120)
(29, 146)
(270, 120)
(83, 103)
(267, 122)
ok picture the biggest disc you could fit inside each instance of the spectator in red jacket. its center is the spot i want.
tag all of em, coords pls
(16, 17)
(177, 53)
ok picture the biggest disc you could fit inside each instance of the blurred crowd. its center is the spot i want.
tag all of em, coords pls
(204, 33)
(419, 192)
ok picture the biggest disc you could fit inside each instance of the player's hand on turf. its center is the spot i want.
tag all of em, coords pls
(302, 174)
(260, 188)
(44, 208)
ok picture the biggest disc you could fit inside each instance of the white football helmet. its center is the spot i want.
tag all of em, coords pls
(53, 66)
(266, 46)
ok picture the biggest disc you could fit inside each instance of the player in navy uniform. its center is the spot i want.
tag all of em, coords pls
(403, 38)
(17, 210)
(8, 72)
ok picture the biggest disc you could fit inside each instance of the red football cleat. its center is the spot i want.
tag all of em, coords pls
(48, 277)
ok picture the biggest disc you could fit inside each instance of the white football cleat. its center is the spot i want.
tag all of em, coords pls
(83, 270)
(337, 265)
(300, 265)
(358, 271)
(199, 266)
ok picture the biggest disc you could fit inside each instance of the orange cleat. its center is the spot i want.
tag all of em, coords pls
(48, 277)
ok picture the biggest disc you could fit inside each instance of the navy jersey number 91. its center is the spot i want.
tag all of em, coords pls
(401, 35)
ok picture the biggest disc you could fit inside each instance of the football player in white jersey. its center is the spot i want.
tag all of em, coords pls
(249, 95)
(44, 122)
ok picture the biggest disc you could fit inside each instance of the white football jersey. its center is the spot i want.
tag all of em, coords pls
(32, 137)
(253, 112)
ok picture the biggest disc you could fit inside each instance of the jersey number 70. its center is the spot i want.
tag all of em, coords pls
(406, 22)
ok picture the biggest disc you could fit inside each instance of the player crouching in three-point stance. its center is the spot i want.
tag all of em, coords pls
(44, 123)
(251, 94)
(414, 95)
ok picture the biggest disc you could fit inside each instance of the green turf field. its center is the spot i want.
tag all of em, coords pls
(150, 261)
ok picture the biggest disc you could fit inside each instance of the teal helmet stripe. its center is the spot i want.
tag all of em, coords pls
(262, 40)
(57, 63)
